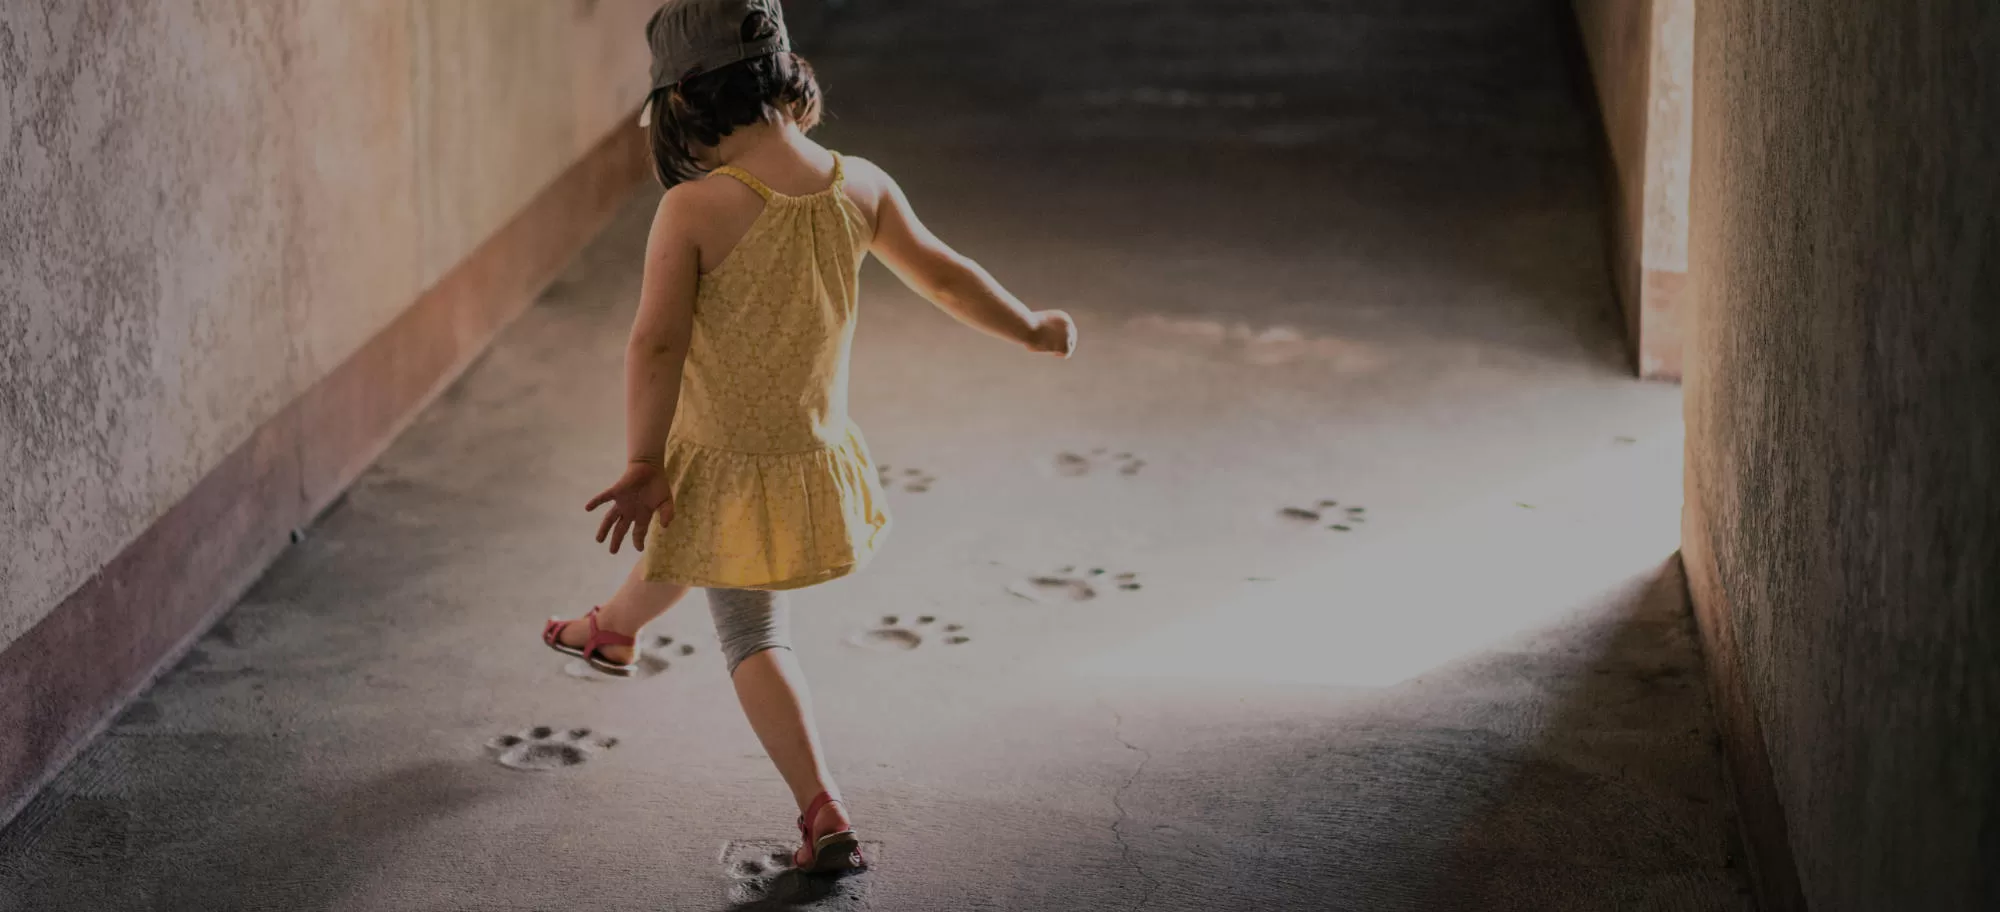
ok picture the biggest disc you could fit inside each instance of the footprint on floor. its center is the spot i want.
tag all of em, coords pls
(654, 655)
(1099, 461)
(1074, 584)
(760, 876)
(545, 748)
(1328, 513)
(900, 633)
(915, 481)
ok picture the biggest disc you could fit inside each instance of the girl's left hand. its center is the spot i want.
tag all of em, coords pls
(1055, 333)
(643, 491)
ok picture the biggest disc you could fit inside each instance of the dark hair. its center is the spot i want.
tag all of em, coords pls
(701, 110)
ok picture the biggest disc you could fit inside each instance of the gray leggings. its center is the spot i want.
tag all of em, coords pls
(749, 621)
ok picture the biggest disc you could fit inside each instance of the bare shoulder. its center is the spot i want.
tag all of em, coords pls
(862, 169)
(680, 206)
(712, 195)
(695, 198)
(870, 187)
(867, 177)
(674, 220)
(709, 214)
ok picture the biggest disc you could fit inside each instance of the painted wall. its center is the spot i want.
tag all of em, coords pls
(1642, 63)
(1843, 407)
(206, 205)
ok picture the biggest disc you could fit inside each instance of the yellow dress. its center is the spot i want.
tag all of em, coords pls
(773, 488)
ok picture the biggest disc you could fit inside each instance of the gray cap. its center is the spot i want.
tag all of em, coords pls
(689, 37)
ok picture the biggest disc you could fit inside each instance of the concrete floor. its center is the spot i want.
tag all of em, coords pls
(1360, 263)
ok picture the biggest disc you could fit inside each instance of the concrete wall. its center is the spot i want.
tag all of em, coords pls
(243, 244)
(1843, 408)
(209, 205)
(1642, 62)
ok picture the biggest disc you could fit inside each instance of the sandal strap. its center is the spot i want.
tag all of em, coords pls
(813, 807)
(599, 637)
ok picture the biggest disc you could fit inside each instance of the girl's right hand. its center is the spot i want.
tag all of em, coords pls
(643, 491)
(1055, 334)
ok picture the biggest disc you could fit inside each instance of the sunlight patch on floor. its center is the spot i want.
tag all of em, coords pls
(1467, 579)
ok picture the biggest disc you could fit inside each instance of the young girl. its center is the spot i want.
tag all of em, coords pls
(745, 475)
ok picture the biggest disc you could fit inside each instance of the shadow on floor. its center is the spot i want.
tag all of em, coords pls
(1571, 770)
(295, 844)
(1618, 801)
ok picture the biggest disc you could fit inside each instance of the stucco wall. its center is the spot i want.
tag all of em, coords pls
(206, 206)
(1844, 427)
(1642, 63)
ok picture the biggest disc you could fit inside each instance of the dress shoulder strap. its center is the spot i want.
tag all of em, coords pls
(751, 180)
(764, 190)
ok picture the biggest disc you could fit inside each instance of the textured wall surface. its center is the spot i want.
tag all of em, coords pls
(1642, 62)
(492, 114)
(611, 68)
(1844, 427)
(1618, 38)
(209, 205)
(352, 215)
(143, 321)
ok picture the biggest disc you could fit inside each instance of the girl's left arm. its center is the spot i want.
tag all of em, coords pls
(654, 357)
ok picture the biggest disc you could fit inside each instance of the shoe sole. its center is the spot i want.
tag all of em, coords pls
(621, 671)
(836, 853)
(617, 671)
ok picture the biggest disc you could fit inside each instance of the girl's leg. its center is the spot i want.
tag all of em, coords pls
(635, 605)
(755, 629)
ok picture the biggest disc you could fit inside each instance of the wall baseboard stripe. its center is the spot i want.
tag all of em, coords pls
(66, 678)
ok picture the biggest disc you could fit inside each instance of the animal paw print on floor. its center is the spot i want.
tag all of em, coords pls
(543, 748)
(899, 633)
(654, 652)
(1329, 512)
(1074, 584)
(761, 876)
(1077, 465)
(915, 481)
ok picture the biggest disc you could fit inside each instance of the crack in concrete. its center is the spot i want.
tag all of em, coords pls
(1118, 802)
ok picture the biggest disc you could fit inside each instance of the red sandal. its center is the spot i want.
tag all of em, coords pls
(832, 853)
(599, 638)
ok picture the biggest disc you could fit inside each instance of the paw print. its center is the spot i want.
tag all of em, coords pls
(654, 651)
(761, 875)
(915, 481)
(1077, 465)
(894, 635)
(1339, 519)
(751, 862)
(1074, 585)
(543, 748)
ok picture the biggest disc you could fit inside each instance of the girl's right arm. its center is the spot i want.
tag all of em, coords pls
(654, 357)
(955, 283)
